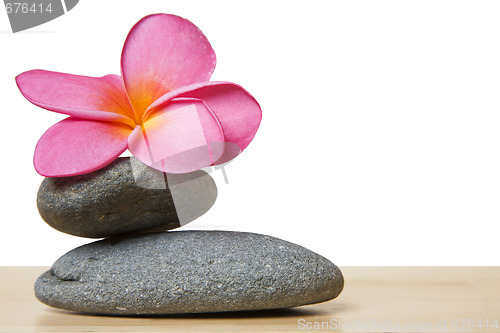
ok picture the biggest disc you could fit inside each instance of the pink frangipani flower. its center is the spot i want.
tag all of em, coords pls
(163, 108)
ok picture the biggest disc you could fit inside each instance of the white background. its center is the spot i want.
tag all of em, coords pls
(380, 137)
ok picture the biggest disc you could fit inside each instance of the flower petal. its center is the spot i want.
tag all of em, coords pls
(161, 53)
(77, 146)
(102, 98)
(237, 111)
(182, 136)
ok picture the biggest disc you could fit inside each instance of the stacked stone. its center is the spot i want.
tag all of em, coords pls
(140, 268)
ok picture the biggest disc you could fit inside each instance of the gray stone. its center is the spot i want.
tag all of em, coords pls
(125, 196)
(188, 272)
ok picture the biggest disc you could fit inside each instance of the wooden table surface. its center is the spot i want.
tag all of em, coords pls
(375, 299)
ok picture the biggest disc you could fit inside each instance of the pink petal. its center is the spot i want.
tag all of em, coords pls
(183, 136)
(163, 52)
(237, 111)
(102, 98)
(230, 150)
(77, 146)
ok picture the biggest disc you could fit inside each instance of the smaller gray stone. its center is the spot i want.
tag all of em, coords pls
(188, 272)
(124, 197)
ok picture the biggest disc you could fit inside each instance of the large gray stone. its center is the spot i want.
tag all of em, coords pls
(188, 272)
(124, 197)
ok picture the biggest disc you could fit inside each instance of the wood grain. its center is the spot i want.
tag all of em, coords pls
(375, 299)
